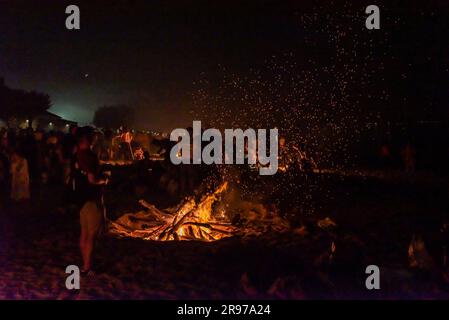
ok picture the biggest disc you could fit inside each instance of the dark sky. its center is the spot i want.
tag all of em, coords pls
(148, 54)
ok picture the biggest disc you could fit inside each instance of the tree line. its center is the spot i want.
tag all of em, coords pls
(22, 104)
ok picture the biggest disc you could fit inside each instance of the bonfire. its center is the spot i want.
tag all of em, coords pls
(204, 220)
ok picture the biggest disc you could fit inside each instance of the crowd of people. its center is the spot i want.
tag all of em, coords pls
(32, 158)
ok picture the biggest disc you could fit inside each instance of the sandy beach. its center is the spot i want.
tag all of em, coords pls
(306, 262)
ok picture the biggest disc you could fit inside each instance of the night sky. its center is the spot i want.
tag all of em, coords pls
(151, 54)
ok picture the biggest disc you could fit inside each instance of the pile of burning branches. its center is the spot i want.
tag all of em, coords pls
(204, 220)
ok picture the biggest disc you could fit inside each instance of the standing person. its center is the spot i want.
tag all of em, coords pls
(127, 138)
(68, 151)
(408, 154)
(286, 155)
(306, 163)
(384, 155)
(4, 177)
(88, 187)
(108, 136)
(68, 148)
(20, 178)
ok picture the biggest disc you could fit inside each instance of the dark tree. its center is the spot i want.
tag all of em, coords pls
(22, 104)
(114, 117)
(34, 104)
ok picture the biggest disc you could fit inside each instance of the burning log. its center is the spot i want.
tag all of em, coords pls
(192, 220)
(189, 221)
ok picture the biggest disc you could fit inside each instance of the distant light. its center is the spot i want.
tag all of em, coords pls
(50, 124)
(67, 125)
(27, 120)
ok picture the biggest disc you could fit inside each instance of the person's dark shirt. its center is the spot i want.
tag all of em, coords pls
(87, 163)
(68, 146)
